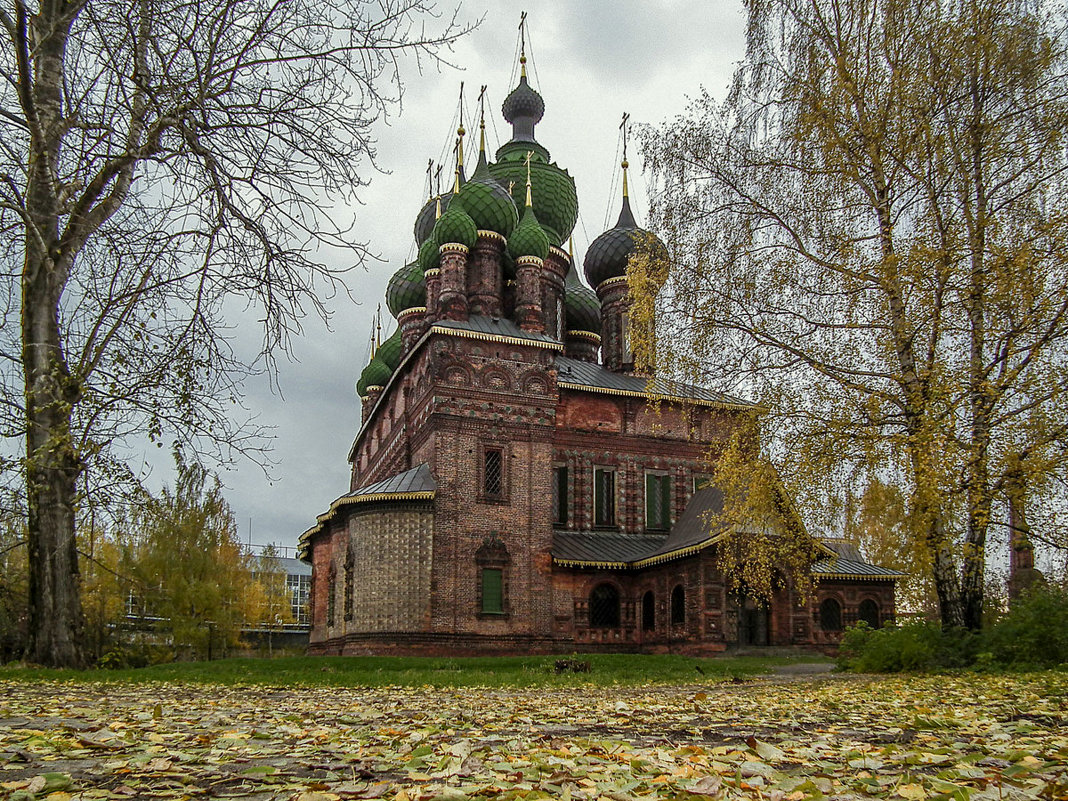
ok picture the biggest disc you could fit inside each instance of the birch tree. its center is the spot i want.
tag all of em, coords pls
(870, 237)
(157, 160)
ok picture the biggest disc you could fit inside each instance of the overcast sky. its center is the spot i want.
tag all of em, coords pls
(591, 61)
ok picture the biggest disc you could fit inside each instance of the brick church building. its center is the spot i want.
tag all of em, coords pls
(513, 490)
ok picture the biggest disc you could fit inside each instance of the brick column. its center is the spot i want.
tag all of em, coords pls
(485, 282)
(615, 308)
(528, 311)
(433, 295)
(412, 326)
(452, 302)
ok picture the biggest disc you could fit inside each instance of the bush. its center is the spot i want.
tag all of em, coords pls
(1034, 632)
(912, 647)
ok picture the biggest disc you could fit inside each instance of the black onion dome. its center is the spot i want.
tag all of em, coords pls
(406, 289)
(582, 310)
(428, 215)
(609, 253)
(523, 108)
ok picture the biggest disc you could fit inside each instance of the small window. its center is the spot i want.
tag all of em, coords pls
(868, 611)
(701, 481)
(492, 591)
(657, 501)
(831, 615)
(604, 497)
(493, 472)
(604, 607)
(560, 496)
(648, 612)
(331, 597)
(678, 606)
(350, 584)
(624, 335)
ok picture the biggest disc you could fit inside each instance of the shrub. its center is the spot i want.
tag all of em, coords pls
(1034, 632)
(912, 647)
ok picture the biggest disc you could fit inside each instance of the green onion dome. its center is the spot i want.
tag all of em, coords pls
(488, 202)
(428, 256)
(553, 192)
(390, 351)
(406, 289)
(528, 239)
(582, 310)
(455, 226)
(608, 254)
(375, 374)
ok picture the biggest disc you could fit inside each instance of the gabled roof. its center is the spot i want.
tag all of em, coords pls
(690, 534)
(575, 374)
(417, 484)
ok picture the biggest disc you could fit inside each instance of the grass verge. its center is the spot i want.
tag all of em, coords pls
(379, 671)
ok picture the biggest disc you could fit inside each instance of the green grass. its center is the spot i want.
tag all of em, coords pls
(377, 671)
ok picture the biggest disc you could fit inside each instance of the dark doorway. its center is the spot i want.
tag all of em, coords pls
(648, 612)
(753, 625)
(868, 611)
(604, 607)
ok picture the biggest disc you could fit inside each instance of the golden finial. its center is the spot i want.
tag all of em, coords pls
(625, 163)
(429, 180)
(460, 133)
(530, 154)
(378, 333)
(482, 120)
(523, 44)
(458, 148)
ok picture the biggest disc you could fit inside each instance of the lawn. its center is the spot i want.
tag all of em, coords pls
(605, 669)
(945, 738)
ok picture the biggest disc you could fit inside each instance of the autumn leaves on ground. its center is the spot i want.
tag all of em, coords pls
(958, 738)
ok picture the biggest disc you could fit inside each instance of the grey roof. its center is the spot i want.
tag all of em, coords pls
(693, 526)
(844, 548)
(599, 547)
(593, 376)
(495, 326)
(418, 479)
(691, 531)
(850, 567)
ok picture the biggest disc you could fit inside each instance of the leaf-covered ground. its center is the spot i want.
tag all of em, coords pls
(973, 738)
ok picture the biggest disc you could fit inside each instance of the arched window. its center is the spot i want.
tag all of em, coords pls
(678, 605)
(604, 607)
(648, 612)
(830, 615)
(868, 611)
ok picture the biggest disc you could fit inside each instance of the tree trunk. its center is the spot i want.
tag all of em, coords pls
(52, 461)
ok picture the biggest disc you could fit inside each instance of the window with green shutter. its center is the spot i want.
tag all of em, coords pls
(492, 590)
(604, 497)
(657, 501)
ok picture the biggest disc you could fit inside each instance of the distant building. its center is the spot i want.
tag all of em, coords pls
(512, 488)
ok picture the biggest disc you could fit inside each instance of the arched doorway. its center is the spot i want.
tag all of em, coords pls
(868, 611)
(648, 611)
(830, 615)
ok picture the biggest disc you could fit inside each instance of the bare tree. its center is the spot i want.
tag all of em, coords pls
(871, 236)
(156, 159)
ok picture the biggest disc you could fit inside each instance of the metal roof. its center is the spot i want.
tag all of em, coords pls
(844, 548)
(691, 533)
(599, 548)
(493, 327)
(576, 374)
(418, 479)
(849, 568)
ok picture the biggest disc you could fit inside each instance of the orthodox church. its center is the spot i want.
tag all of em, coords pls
(513, 489)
